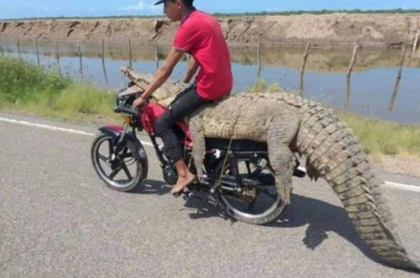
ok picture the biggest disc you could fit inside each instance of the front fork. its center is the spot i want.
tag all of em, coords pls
(123, 137)
(120, 143)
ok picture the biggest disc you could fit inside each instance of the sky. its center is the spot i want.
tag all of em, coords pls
(66, 8)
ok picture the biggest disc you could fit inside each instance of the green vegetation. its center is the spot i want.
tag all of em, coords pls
(263, 13)
(29, 88)
(261, 86)
(382, 137)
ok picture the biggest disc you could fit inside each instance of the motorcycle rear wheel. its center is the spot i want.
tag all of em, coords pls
(120, 178)
(239, 207)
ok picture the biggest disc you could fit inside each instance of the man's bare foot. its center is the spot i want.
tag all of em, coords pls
(183, 181)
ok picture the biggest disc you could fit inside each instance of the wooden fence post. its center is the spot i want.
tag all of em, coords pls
(302, 72)
(103, 61)
(349, 71)
(37, 52)
(130, 53)
(157, 54)
(1, 48)
(79, 50)
(416, 41)
(18, 46)
(259, 60)
(58, 58)
(397, 82)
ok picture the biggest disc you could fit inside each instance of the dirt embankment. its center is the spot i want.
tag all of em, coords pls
(331, 30)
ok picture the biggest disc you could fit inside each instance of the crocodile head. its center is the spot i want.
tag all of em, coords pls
(164, 95)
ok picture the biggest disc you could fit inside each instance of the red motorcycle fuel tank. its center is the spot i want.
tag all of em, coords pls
(151, 112)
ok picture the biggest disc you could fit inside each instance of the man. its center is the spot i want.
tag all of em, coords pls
(200, 35)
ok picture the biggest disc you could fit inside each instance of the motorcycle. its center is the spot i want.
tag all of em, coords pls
(237, 173)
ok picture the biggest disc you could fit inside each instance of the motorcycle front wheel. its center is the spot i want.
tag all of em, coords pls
(122, 172)
(255, 205)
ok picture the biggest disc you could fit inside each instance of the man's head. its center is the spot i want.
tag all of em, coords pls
(175, 9)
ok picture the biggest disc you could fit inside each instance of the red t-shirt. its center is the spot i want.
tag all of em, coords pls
(200, 35)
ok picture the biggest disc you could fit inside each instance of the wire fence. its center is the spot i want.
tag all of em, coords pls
(306, 55)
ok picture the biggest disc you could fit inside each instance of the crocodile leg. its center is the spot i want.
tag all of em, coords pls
(282, 160)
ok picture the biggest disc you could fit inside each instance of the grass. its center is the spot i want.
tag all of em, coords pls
(261, 86)
(31, 89)
(28, 88)
(384, 138)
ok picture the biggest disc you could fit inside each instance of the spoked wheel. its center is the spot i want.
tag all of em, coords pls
(256, 205)
(122, 172)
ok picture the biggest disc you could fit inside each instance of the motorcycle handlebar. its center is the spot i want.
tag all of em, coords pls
(128, 110)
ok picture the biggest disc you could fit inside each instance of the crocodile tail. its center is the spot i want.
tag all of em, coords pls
(334, 154)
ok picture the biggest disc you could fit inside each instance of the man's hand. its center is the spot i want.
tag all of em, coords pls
(139, 102)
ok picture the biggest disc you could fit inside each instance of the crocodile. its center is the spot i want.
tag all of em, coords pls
(313, 131)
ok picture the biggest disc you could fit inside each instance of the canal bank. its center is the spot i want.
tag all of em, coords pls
(336, 30)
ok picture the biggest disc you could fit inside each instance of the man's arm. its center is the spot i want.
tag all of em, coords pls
(191, 70)
(162, 74)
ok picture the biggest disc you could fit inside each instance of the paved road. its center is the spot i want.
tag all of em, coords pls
(58, 220)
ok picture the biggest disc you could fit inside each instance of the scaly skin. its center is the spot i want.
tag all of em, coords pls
(291, 124)
(234, 118)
